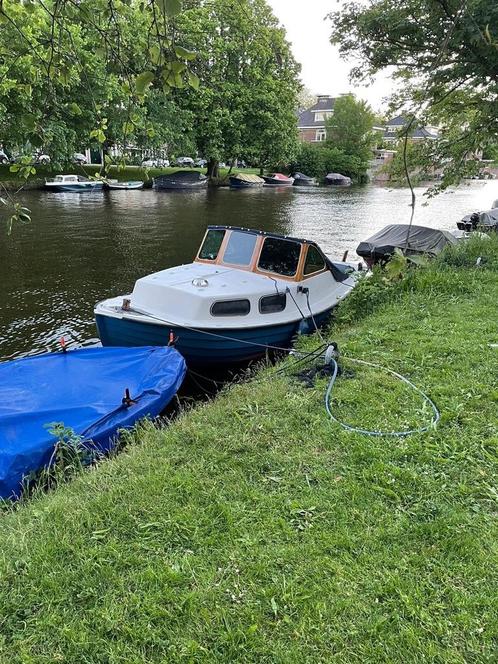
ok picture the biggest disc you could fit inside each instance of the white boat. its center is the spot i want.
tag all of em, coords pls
(246, 290)
(74, 183)
(131, 184)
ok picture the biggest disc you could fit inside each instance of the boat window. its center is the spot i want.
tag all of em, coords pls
(314, 261)
(272, 304)
(240, 248)
(211, 245)
(231, 308)
(280, 256)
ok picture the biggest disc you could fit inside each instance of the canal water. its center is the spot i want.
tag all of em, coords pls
(81, 248)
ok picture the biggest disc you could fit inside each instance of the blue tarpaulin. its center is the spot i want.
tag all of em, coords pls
(84, 390)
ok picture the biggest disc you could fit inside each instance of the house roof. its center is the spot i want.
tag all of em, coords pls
(398, 121)
(417, 132)
(307, 117)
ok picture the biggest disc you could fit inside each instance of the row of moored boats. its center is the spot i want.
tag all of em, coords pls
(190, 180)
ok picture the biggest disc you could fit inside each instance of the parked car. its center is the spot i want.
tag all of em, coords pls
(3, 158)
(149, 163)
(41, 158)
(200, 163)
(185, 161)
(162, 163)
(79, 158)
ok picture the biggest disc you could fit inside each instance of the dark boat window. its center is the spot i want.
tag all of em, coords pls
(231, 308)
(240, 248)
(314, 261)
(211, 245)
(280, 256)
(272, 304)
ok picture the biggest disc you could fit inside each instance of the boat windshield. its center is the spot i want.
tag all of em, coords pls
(240, 248)
(211, 245)
(280, 256)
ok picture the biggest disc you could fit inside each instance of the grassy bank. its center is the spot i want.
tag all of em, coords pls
(11, 182)
(254, 530)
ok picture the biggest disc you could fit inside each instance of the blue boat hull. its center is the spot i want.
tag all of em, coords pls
(82, 389)
(76, 188)
(206, 347)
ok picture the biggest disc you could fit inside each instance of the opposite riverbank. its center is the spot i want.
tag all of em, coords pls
(10, 182)
(253, 529)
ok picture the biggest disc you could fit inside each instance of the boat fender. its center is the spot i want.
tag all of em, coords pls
(172, 339)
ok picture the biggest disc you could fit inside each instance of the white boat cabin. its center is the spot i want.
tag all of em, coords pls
(240, 278)
(66, 179)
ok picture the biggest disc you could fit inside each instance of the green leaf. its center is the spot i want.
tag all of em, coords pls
(171, 7)
(193, 80)
(155, 54)
(74, 109)
(184, 53)
(179, 81)
(143, 81)
(178, 67)
(29, 121)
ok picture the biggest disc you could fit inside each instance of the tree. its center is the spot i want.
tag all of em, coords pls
(81, 70)
(306, 99)
(318, 160)
(446, 54)
(246, 101)
(350, 128)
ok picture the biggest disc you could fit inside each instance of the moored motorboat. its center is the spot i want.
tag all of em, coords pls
(181, 180)
(245, 291)
(93, 391)
(337, 180)
(113, 185)
(410, 240)
(302, 180)
(245, 181)
(480, 221)
(72, 183)
(278, 180)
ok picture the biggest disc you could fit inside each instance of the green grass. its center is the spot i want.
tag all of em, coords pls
(254, 530)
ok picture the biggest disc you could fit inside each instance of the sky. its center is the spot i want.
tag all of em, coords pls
(323, 72)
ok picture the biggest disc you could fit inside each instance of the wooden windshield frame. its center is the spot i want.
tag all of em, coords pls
(253, 265)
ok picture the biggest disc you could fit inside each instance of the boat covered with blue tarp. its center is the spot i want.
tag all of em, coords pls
(94, 391)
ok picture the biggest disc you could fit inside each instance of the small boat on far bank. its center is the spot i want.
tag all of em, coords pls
(302, 180)
(278, 180)
(338, 180)
(180, 180)
(245, 180)
(72, 183)
(93, 391)
(113, 185)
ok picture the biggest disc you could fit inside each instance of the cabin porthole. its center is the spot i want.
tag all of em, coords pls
(231, 308)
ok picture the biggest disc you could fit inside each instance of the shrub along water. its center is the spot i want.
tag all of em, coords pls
(252, 529)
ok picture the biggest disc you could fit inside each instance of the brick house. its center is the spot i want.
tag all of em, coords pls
(311, 122)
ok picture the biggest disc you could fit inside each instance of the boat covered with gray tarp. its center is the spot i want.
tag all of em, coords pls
(421, 241)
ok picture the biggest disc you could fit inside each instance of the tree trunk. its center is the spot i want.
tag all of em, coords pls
(212, 168)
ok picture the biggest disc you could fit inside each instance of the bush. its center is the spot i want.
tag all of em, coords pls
(318, 160)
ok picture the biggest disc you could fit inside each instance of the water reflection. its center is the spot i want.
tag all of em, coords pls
(81, 248)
